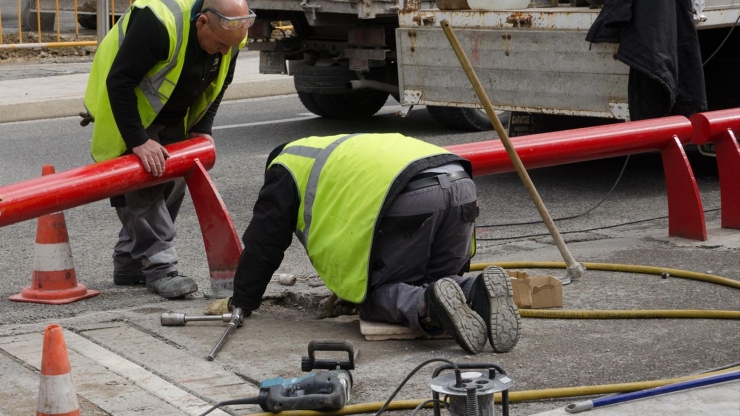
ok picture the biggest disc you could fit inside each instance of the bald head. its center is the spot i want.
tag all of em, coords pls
(229, 8)
(212, 36)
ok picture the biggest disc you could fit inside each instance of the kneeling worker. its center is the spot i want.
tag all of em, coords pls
(387, 222)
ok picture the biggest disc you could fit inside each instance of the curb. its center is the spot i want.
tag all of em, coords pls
(68, 107)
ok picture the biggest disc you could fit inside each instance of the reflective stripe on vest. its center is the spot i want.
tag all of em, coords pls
(320, 156)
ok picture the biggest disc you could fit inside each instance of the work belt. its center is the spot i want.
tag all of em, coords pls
(428, 179)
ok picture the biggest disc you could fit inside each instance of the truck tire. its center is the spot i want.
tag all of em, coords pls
(468, 119)
(310, 104)
(360, 104)
(323, 91)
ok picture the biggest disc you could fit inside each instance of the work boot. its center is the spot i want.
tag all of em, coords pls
(445, 307)
(492, 298)
(128, 279)
(172, 285)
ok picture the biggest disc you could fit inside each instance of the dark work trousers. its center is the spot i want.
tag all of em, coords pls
(145, 243)
(426, 236)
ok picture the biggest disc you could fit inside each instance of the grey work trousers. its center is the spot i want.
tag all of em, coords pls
(426, 235)
(145, 243)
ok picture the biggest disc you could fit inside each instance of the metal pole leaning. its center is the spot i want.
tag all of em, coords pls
(573, 268)
(721, 128)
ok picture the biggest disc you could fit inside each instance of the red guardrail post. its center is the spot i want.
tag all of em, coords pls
(221, 241)
(719, 127)
(666, 135)
(190, 159)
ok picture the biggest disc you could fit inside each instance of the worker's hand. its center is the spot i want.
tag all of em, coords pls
(219, 307)
(152, 155)
(333, 307)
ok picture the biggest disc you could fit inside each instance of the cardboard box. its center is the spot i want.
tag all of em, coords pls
(536, 292)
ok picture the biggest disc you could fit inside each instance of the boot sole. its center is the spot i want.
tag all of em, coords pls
(504, 325)
(469, 326)
(186, 290)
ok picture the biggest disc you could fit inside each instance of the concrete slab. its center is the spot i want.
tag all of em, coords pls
(113, 383)
(382, 331)
(152, 353)
(18, 396)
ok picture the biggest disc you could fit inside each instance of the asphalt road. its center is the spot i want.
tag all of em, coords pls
(551, 353)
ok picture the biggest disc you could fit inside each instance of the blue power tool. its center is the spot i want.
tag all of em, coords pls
(322, 390)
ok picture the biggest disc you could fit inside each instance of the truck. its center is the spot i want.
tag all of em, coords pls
(348, 56)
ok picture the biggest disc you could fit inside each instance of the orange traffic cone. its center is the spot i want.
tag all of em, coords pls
(54, 279)
(56, 392)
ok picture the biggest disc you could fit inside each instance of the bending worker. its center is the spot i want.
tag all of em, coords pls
(387, 222)
(158, 78)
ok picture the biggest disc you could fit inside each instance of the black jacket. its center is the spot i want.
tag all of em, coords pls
(658, 40)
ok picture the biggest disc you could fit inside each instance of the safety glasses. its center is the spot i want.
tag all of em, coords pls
(233, 23)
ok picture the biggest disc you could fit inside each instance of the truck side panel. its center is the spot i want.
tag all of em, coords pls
(525, 70)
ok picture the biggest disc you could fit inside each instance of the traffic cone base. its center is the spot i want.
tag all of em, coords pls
(57, 395)
(57, 297)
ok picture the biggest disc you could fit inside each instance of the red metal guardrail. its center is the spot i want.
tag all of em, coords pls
(719, 127)
(189, 159)
(666, 135)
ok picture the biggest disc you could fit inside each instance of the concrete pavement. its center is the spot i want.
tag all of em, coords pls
(35, 91)
(125, 363)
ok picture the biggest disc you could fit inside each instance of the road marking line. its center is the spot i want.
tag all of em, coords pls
(389, 109)
(262, 123)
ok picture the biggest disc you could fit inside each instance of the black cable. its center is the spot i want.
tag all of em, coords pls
(572, 216)
(249, 400)
(582, 231)
(424, 403)
(723, 42)
(458, 380)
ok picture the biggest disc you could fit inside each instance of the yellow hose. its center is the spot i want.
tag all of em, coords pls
(627, 268)
(516, 396)
(621, 314)
(629, 314)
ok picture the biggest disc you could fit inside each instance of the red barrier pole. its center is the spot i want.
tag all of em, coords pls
(190, 159)
(667, 135)
(63, 190)
(720, 127)
(579, 145)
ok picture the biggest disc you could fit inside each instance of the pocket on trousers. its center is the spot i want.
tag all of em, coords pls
(404, 245)
(406, 226)
(470, 211)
